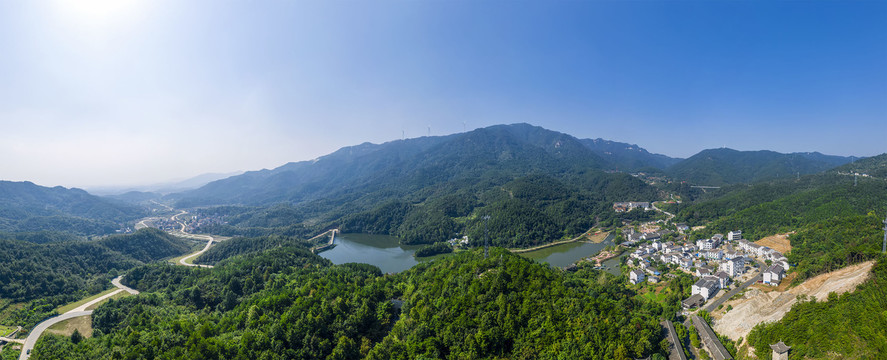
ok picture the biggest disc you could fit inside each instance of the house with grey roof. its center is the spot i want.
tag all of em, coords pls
(774, 274)
(707, 287)
(636, 276)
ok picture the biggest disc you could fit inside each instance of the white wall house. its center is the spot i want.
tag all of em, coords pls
(733, 267)
(636, 276)
(773, 275)
(707, 287)
(734, 235)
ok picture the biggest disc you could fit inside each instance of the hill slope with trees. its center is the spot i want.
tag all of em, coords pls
(288, 303)
(541, 184)
(26, 207)
(719, 167)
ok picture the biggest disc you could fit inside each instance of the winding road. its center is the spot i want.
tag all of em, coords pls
(183, 261)
(77, 312)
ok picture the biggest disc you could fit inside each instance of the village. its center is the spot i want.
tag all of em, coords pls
(717, 262)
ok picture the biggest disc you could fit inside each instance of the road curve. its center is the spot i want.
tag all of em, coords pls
(194, 255)
(120, 286)
(41, 327)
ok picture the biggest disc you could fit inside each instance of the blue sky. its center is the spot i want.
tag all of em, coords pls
(107, 92)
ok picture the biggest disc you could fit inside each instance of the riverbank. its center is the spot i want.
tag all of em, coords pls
(605, 255)
(595, 238)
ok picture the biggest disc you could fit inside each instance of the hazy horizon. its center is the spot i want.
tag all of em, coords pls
(106, 93)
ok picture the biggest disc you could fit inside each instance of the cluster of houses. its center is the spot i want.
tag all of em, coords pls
(463, 241)
(631, 205)
(715, 264)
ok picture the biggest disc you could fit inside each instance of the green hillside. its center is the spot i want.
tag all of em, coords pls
(26, 207)
(537, 185)
(719, 167)
(288, 303)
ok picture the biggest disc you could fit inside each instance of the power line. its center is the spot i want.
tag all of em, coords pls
(884, 246)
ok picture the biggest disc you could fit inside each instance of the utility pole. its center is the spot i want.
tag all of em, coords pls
(884, 246)
(487, 236)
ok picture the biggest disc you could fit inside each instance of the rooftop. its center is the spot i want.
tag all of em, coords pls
(780, 347)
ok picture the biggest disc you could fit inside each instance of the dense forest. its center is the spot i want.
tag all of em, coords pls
(718, 167)
(288, 303)
(539, 185)
(26, 207)
(48, 275)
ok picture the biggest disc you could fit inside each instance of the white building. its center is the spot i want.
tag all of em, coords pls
(723, 279)
(733, 267)
(774, 275)
(707, 287)
(734, 235)
(636, 276)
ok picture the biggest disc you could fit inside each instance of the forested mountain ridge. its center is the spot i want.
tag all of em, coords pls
(539, 184)
(30, 271)
(874, 166)
(628, 157)
(718, 167)
(412, 163)
(25, 206)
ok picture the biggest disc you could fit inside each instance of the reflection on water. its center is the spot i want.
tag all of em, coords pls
(386, 252)
(566, 254)
(380, 250)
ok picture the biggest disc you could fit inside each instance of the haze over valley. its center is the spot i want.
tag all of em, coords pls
(443, 180)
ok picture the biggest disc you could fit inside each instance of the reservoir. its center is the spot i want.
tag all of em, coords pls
(390, 256)
(382, 251)
(566, 254)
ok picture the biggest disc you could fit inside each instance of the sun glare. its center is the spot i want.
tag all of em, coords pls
(98, 14)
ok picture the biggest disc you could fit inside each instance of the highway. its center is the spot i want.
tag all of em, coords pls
(120, 286)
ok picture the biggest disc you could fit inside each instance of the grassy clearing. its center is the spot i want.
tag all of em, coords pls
(73, 305)
(83, 324)
(5, 330)
(598, 238)
(115, 297)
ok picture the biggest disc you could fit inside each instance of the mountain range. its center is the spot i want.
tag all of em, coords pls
(429, 185)
(25, 206)
(521, 148)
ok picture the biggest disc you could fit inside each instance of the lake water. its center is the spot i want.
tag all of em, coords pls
(380, 250)
(566, 254)
(386, 252)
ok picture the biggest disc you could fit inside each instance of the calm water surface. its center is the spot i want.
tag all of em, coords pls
(566, 254)
(380, 250)
(386, 252)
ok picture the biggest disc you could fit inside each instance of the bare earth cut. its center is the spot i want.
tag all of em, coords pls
(777, 242)
(758, 306)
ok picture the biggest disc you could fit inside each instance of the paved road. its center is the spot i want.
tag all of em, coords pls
(758, 277)
(97, 300)
(120, 286)
(677, 350)
(182, 261)
(40, 328)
